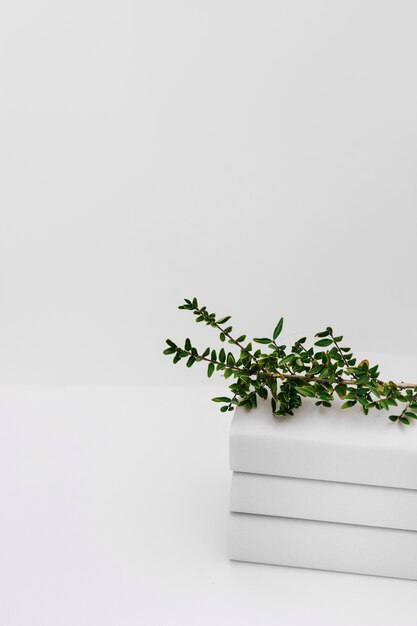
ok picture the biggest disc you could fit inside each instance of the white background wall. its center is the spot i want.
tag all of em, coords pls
(259, 155)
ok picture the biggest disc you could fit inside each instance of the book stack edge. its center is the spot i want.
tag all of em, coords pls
(325, 489)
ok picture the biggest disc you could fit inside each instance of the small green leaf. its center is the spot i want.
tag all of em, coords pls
(306, 391)
(410, 414)
(278, 328)
(221, 399)
(393, 418)
(210, 370)
(169, 351)
(362, 401)
(404, 420)
(223, 320)
(190, 361)
(362, 380)
(187, 344)
(401, 398)
(374, 390)
(326, 396)
(348, 404)
(301, 340)
(324, 333)
(230, 359)
(262, 340)
(323, 343)
(341, 391)
(222, 356)
(288, 359)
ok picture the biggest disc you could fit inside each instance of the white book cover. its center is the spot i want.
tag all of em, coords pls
(323, 545)
(324, 501)
(330, 444)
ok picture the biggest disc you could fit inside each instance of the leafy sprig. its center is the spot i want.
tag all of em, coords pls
(323, 371)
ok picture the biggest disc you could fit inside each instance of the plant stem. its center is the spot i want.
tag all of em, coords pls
(339, 350)
(342, 381)
(227, 335)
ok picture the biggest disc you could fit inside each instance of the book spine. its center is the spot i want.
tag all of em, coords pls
(323, 460)
(323, 545)
(324, 501)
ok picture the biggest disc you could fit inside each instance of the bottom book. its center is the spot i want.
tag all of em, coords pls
(323, 545)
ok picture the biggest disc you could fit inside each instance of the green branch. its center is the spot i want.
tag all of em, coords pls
(322, 372)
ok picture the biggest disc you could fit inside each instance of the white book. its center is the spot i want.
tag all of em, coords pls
(323, 545)
(330, 444)
(324, 501)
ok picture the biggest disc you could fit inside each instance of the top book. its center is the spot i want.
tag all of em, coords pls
(330, 443)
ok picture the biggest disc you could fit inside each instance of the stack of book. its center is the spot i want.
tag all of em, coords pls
(326, 489)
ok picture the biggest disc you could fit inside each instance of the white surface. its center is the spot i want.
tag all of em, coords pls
(157, 150)
(323, 545)
(330, 444)
(323, 500)
(114, 507)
